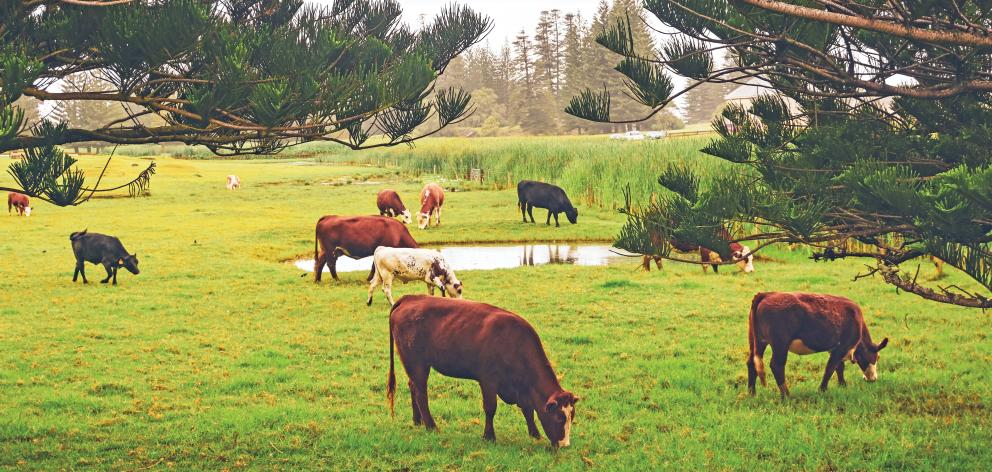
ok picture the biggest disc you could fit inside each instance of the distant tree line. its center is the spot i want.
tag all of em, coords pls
(522, 87)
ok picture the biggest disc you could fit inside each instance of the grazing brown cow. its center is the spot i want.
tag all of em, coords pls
(431, 201)
(20, 202)
(475, 341)
(739, 253)
(355, 237)
(807, 323)
(390, 205)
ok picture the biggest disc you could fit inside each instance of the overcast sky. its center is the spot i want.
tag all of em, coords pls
(509, 16)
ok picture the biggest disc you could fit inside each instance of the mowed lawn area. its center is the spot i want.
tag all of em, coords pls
(221, 356)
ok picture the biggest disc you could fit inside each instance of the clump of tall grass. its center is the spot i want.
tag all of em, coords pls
(593, 170)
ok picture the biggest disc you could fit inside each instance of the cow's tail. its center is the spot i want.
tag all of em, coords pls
(372, 272)
(752, 337)
(77, 234)
(391, 377)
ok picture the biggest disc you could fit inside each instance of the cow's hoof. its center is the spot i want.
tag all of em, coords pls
(489, 438)
(104, 281)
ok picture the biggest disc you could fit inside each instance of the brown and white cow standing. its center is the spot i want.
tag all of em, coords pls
(408, 265)
(20, 202)
(431, 201)
(233, 182)
(390, 205)
(355, 237)
(739, 254)
(475, 341)
(807, 323)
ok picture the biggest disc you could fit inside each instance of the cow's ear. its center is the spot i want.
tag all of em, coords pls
(551, 405)
(881, 345)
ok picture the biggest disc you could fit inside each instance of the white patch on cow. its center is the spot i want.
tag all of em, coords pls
(406, 217)
(746, 264)
(871, 373)
(799, 347)
(566, 439)
(423, 219)
(759, 365)
(27, 211)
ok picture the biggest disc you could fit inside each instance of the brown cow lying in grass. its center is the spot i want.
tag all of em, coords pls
(807, 323)
(475, 341)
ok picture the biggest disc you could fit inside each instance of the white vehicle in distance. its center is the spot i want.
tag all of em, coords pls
(656, 134)
(628, 136)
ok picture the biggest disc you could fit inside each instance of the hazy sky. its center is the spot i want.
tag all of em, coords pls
(509, 16)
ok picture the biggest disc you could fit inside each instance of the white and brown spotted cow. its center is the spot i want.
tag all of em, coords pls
(428, 265)
(233, 182)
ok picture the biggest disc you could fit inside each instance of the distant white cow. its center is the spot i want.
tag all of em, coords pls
(409, 265)
(233, 182)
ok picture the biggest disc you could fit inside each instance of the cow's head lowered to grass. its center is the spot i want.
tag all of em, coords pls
(444, 278)
(572, 214)
(129, 262)
(866, 356)
(557, 416)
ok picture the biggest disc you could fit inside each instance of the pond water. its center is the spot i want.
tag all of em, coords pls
(501, 257)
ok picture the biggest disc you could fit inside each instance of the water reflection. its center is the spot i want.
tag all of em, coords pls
(500, 257)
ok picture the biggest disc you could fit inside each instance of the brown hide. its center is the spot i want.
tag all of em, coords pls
(806, 323)
(389, 203)
(355, 237)
(705, 255)
(470, 340)
(17, 201)
(431, 198)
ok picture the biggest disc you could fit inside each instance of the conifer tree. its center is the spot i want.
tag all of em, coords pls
(872, 141)
(236, 76)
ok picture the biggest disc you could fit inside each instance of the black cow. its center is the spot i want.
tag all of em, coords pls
(539, 194)
(101, 249)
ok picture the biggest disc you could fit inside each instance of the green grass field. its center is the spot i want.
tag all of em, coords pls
(220, 356)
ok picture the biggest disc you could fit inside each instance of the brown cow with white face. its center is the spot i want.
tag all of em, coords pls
(431, 201)
(389, 204)
(739, 254)
(475, 341)
(19, 202)
(807, 323)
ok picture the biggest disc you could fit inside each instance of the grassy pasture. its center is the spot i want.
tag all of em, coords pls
(220, 356)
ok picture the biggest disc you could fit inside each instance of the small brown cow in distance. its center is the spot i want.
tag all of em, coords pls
(431, 201)
(20, 202)
(475, 341)
(739, 254)
(355, 237)
(807, 323)
(389, 204)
